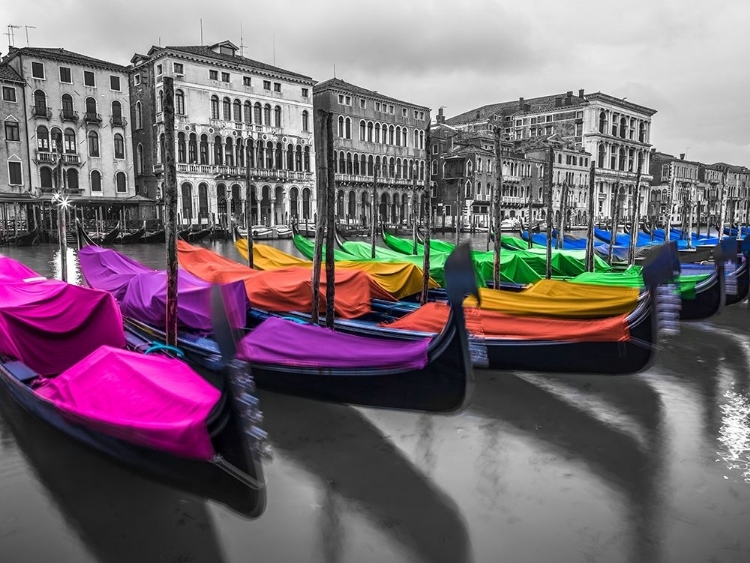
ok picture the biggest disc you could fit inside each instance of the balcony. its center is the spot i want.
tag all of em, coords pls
(239, 172)
(46, 157)
(90, 117)
(71, 116)
(118, 121)
(41, 112)
(71, 159)
(158, 168)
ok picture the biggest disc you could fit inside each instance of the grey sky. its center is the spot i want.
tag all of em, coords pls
(688, 59)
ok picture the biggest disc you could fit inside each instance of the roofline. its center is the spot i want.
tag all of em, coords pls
(620, 102)
(323, 86)
(97, 63)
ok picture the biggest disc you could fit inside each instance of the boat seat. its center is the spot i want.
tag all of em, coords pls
(19, 370)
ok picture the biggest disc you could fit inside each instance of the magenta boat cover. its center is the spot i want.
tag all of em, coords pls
(142, 292)
(278, 341)
(14, 270)
(50, 325)
(150, 401)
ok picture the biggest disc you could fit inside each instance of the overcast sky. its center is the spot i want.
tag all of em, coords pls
(687, 59)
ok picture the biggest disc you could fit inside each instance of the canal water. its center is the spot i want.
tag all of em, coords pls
(540, 468)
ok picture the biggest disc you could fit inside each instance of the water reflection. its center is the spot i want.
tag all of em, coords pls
(734, 433)
(118, 515)
(360, 465)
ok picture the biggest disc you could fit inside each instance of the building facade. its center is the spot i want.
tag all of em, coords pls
(735, 192)
(676, 180)
(233, 116)
(78, 138)
(374, 134)
(613, 131)
(15, 183)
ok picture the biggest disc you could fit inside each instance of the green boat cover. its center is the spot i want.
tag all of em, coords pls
(632, 278)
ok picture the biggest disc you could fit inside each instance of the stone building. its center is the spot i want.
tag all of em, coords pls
(710, 181)
(614, 131)
(373, 134)
(78, 138)
(15, 179)
(734, 190)
(678, 179)
(232, 114)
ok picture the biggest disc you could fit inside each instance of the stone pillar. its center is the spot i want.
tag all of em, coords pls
(273, 211)
(257, 205)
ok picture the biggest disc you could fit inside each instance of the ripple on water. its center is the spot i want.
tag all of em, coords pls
(734, 433)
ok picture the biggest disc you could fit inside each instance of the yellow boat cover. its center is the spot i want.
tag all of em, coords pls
(555, 298)
(400, 279)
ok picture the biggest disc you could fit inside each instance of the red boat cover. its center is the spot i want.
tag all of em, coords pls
(150, 401)
(289, 289)
(50, 325)
(278, 341)
(432, 317)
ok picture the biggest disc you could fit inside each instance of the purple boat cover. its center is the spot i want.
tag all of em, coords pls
(14, 270)
(279, 341)
(50, 325)
(150, 401)
(142, 292)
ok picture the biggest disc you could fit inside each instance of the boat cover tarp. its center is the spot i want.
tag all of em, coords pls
(282, 342)
(632, 277)
(289, 289)
(50, 325)
(554, 298)
(432, 317)
(142, 292)
(151, 401)
(11, 269)
(400, 279)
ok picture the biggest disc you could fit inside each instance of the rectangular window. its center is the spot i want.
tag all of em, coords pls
(421, 115)
(9, 94)
(137, 79)
(341, 98)
(14, 172)
(225, 77)
(266, 84)
(348, 100)
(246, 81)
(88, 78)
(277, 87)
(404, 112)
(390, 109)
(416, 114)
(37, 70)
(305, 92)
(11, 131)
(178, 68)
(377, 106)
(213, 74)
(434, 149)
(159, 70)
(362, 103)
(665, 172)
(114, 83)
(65, 75)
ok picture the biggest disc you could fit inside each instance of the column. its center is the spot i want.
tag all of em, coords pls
(258, 196)
(273, 209)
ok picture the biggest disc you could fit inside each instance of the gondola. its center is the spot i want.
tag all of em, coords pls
(134, 237)
(189, 235)
(206, 438)
(415, 372)
(85, 238)
(155, 237)
(24, 239)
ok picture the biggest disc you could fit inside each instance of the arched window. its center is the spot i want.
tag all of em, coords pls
(42, 138)
(202, 201)
(96, 181)
(421, 140)
(342, 163)
(642, 132)
(416, 138)
(119, 146)
(204, 150)
(248, 107)
(91, 107)
(258, 113)
(187, 201)
(602, 155)
(218, 154)
(116, 113)
(40, 103)
(398, 136)
(377, 133)
(214, 107)
(298, 158)
(349, 167)
(67, 106)
(251, 153)
(277, 116)
(305, 121)
(70, 141)
(369, 131)
(390, 135)
(290, 157)
(307, 159)
(421, 170)
(269, 155)
(602, 122)
(623, 127)
(160, 102)
(267, 114)
(370, 165)
(121, 181)
(348, 128)
(362, 130)
(181, 148)
(239, 153)
(341, 126)
(179, 102)
(622, 159)
(192, 149)
(237, 110)
(45, 176)
(279, 160)
(93, 143)
(229, 152)
(261, 159)
(72, 177)
(138, 115)
(355, 165)
(161, 147)
(404, 137)
(226, 106)
(139, 159)
(434, 167)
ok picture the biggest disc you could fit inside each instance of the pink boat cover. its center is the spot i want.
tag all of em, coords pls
(142, 292)
(279, 341)
(14, 270)
(150, 401)
(50, 325)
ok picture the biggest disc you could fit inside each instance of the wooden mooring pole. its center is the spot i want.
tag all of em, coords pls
(170, 203)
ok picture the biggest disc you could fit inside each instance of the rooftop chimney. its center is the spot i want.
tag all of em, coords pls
(682, 156)
(580, 93)
(440, 116)
(569, 94)
(558, 101)
(520, 104)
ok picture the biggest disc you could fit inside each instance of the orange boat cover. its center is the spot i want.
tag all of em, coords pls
(285, 290)
(432, 317)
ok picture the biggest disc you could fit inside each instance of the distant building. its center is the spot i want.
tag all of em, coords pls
(15, 178)
(374, 133)
(614, 131)
(231, 113)
(78, 138)
(735, 189)
(676, 178)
